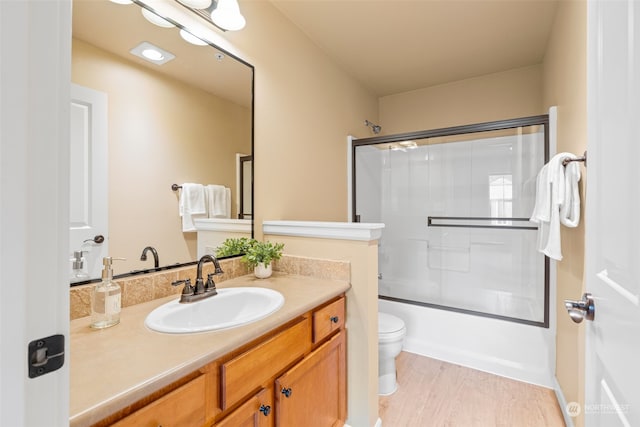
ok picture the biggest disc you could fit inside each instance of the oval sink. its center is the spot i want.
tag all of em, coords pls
(232, 307)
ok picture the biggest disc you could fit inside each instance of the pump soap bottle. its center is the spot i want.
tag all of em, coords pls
(106, 298)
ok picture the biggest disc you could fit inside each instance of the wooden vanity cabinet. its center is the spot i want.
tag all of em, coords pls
(293, 377)
(304, 366)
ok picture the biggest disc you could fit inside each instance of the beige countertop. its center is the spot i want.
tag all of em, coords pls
(114, 367)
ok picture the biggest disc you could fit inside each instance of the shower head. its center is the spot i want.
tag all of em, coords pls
(376, 129)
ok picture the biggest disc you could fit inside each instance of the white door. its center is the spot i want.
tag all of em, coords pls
(88, 180)
(612, 374)
(35, 46)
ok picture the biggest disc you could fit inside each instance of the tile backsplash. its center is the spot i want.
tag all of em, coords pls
(147, 287)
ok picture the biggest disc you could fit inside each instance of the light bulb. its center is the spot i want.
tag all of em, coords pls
(187, 36)
(155, 19)
(197, 4)
(153, 54)
(227, 15)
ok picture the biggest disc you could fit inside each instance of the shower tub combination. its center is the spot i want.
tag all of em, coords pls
(457, 258)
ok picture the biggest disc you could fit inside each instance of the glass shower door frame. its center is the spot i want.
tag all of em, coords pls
(542, 120)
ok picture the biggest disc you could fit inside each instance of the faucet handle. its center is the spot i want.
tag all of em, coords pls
(188, 289)
(210, 286)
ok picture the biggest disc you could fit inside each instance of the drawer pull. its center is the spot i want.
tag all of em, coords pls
(334, 319)
(286, 391)
(265, 409)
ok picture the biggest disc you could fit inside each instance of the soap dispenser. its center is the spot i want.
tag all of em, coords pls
(106, 299)
(78, 272)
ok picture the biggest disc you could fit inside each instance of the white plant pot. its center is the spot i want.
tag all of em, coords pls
(262, 271)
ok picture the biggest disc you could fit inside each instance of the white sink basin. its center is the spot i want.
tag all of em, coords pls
(232, 307)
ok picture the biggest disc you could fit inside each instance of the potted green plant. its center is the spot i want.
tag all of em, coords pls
(234, 246)
(259, 256)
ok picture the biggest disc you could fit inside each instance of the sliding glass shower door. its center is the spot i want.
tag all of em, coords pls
(455, 203)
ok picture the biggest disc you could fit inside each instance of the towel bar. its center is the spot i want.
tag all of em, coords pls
(175, 187)
(568, 160)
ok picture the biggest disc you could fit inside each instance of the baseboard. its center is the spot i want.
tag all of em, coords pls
(494, 365)
(568, 419)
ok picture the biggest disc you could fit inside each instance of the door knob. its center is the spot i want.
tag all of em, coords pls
(583, 309)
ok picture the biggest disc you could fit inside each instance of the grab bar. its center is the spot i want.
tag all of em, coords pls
(430, 223)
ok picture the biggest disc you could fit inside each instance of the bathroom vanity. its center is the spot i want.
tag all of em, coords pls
(288, 369)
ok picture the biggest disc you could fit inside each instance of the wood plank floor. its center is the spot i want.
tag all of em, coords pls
(433, 393)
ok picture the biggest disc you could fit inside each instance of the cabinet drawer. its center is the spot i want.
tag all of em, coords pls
(248, 371)
(328, 319)
(182, 407)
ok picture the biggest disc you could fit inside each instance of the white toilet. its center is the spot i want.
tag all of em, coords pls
(391, 332)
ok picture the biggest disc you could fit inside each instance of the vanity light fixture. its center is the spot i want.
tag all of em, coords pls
(227, 15)
(152, 53)
(155, 19)
(197, 4)
(188, 37)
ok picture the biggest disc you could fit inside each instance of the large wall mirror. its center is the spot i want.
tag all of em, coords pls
(186, 120)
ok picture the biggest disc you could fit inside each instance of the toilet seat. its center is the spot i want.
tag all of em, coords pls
(390, 328)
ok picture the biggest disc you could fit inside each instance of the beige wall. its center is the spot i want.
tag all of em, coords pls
(305, 107)
(565, 86)
(498, 96)
(160, 132)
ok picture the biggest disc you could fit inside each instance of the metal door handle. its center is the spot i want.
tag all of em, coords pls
(583, 309)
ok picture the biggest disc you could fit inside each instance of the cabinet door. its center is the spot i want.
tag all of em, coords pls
(313, 393)
(256, 412)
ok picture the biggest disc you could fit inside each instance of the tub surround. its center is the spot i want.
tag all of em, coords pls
(114, 367)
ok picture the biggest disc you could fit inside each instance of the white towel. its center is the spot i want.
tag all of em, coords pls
(556, 198)
(192, 205)
(570, 209)
(218, 201)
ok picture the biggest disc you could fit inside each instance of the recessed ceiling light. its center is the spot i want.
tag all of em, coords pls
(152, 53)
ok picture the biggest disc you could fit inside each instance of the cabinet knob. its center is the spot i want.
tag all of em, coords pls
(286, 391)
(265, 409)
(334, 319)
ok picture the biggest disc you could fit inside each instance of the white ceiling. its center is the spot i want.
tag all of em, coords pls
(394, 46)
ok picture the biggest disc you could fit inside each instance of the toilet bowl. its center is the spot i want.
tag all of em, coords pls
(391, 332)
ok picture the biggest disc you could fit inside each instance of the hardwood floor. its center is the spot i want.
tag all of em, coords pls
(433, 393)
